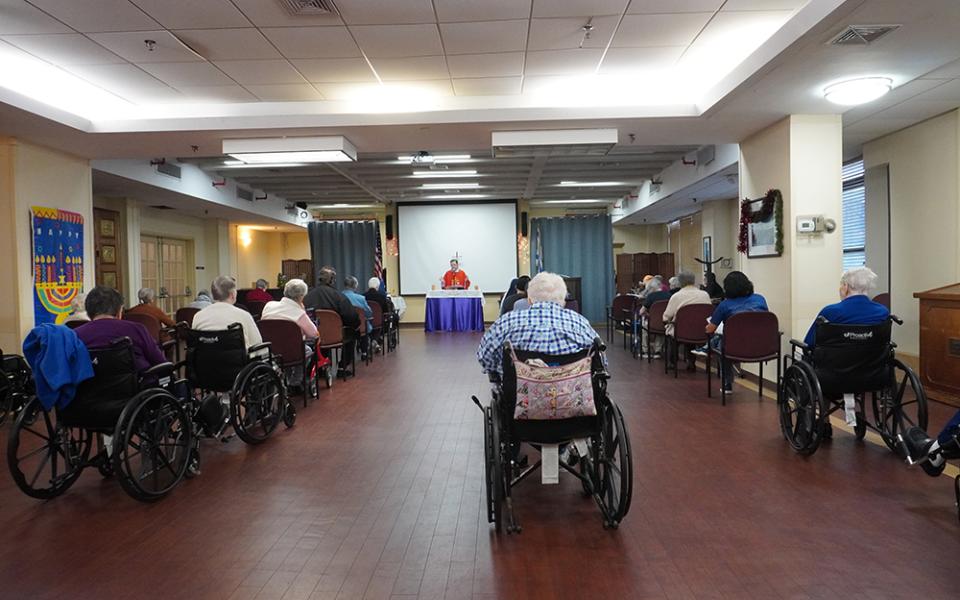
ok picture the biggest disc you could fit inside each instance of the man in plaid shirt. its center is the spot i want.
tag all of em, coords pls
(545, 327)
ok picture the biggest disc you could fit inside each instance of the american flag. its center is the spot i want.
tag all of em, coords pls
(378, 260)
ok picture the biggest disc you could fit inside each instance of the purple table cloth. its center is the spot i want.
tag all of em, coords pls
(453, 314)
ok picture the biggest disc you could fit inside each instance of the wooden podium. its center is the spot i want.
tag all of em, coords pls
(940, 343)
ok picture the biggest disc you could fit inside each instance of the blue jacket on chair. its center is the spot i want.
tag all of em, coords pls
(59, 361)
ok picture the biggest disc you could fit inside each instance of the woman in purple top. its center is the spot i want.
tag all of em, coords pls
(105, 307)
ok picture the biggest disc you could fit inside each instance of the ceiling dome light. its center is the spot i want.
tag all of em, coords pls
(857, 91)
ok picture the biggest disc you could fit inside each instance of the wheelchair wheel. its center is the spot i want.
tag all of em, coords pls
(615, 467)
(152, 445)
(802, 408)
(45, 456)
(257, 402)
(497, 494)
(289, 415)
(488, 461)
(6, 397)
(900, 406)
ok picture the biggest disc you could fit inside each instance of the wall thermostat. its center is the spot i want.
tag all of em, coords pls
(806, 224)
(811, 224)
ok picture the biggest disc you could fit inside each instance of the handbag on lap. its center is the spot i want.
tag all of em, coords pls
(549, 393)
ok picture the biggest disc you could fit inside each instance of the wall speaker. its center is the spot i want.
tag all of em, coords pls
(389, 223)
(523, 223)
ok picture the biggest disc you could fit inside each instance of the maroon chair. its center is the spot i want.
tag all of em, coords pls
(286, 340)
(572, 305)
(75, 324)
(330, 327)
(883, 299)
(689, 327)
(748, 337)
(655, 326)
(255, 307)
(362, 333)
(185, 314)
(622, 314)
(162, 335)
(377, 321)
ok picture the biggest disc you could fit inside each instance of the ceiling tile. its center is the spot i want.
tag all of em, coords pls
(64, 49)
(560, 34)
(578, 8)
(313, 42)
(471, 10)
(285, 93)
(229, 44)
(271, 14)
(398, 40)
(182, 74)
(334, 70)
(763, 4)
(131, 45)
(407, 69)
(91, 16)
(660, 30)
(386, 12)
(20, 17)
(353, 91)
(484, 36)
(260, 72)
(673, 6)
(127, 81)
(486, 65)
(217, 93)
(920, 109)
(562, 62)
(633, 60)
(190, 14)
(487, 86)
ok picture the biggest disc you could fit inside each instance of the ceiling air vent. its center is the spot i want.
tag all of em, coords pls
(244, 194)
(309, 8)
(861, 35)
(168, 169)
(161, 207)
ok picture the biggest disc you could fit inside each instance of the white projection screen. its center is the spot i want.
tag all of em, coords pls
(484, 235)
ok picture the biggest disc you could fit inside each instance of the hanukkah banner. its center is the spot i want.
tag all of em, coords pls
(57, 262)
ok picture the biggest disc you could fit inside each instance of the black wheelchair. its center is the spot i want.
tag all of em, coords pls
(235, 386)
(848, 359)
(16, 385)
(152, 435)
(605, 469)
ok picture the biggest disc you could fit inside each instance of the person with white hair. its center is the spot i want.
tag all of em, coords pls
(290, 307)
(78, 311)
(855, 306)
(374, 295)
(148, 306)
(688, 293)
(546, 326)
(222, 313)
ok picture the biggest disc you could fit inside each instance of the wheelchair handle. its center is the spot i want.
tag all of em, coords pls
(896, 319)
(477, 402)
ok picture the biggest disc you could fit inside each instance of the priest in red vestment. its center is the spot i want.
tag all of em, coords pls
(455, 278)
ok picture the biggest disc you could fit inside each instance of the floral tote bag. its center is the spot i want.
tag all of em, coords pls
(548, 393)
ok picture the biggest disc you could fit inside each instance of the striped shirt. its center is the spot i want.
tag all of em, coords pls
(544, 327)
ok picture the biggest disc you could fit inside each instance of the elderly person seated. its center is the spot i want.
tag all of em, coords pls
(260, 293)
(290, 308)
(148, 306)
(78, 312)
(855, 306)
(222, 313)
(104, 306)
(325, 296)
(545, 327)
(351, 293)
(520, 294)
(373, 296)
(202, 300)
(652, 292)
(688, 293)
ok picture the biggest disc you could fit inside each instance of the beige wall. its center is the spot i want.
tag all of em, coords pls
(924, 187)
(259, 255)
(720, 220)
(35, 176)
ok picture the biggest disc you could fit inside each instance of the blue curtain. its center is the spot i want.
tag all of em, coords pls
(347, 246)
(579, 247)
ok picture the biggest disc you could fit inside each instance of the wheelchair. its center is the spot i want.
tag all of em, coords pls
(152, 435)
(16, 385)
(848, 359)
(604, 466)
(233, 386)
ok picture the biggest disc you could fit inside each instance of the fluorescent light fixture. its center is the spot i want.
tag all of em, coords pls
(233, 162)
(343, 205)
(434, 174)
(590, 183)
(462, 185)
(572, 201)
(857, 91)
(429, 158)
(243, 165)
(508, 143)
(319, 149)
(455, 196)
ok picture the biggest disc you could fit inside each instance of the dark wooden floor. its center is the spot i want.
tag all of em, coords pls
(376, 493)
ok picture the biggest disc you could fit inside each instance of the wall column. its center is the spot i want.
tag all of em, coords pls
(802, 157)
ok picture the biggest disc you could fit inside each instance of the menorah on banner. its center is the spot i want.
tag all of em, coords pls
(57, 262)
